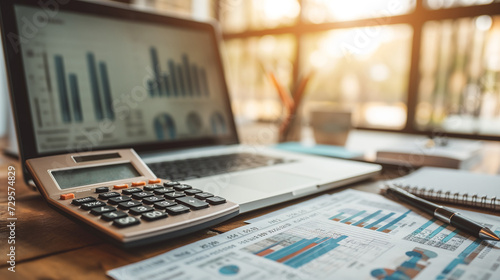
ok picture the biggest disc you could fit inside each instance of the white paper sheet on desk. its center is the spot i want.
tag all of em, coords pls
(353, 235)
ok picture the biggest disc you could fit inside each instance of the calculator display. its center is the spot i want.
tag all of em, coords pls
(92, 175)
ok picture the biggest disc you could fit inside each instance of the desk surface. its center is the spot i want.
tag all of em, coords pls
(51, 246)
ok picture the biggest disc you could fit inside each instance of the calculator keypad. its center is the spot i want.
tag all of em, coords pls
(149, 202)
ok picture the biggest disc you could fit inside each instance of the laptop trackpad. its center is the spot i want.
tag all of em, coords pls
(270, 181)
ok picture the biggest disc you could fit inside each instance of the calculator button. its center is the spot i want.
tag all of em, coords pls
(126, 222)
(177, 209)
(137, 184)
(80, 201)
(203, 195)
(192, 191)
(67, 196)
(164, 204)
(113, 215)
(163, 190)
(174, 195)
(154, 215)
(118, 199)
(120, 187)
(192, 202)
(108, 195)
(153, 199)
(101, 210)
(182, 187)
(89, 205)
(154, 181)
(129, 204)
(152, 187)
(171, 184)
(141, 195)
(216, 200)
(131, 191)
(140, 209)
(102, 189)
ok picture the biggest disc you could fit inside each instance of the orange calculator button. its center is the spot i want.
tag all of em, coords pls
(67, 196)
(119, 187)
(137, 184)
(154, 181)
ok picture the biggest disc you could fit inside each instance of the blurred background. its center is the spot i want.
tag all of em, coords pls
(406, 66)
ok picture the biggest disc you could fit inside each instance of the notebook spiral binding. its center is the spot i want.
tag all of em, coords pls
(485, 202)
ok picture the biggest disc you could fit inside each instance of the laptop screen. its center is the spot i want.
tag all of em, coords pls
(94, 81)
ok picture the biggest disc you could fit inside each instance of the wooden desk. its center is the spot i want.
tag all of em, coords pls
(50, 246)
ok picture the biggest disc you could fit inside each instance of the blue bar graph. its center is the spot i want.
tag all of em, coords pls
(156, 69)
(63, 92)
(171, 68)
(291, 249)
(94, 85)
(346, 220)
(204, 82)
(394, 222)
(189, 81)
(369, 226)
(450, 236)
(314, 252)
(367, 218)
(336, 216)
(438, 230)
(424, 226)
(108, 100)
(75, 96)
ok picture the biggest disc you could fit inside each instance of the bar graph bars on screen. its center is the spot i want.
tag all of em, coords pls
(184, 79)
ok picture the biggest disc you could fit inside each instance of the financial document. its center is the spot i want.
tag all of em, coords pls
(348, 235)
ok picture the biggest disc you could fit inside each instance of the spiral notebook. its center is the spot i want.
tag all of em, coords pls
(453, 186)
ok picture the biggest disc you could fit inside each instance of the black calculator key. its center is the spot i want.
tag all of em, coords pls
(141, 195)
(80, 201)
(174, 195)
(164, 204)
(154, 215)
(113, 215)
(177, 209)
(192, 191)
(129, 204)
(153, 199)
(140, 209)
(126, 222)
(182, 187)
(216, 200)
(152, 187)
(102, 189)
(108, 195)
(203, 195)
(162, 191)
(119, 199)
(102, 209)
(131, 190)
(192, 202)
(89, 205)
(171, 184)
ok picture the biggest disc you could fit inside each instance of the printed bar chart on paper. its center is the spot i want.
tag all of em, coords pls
(437, 234)
(324, 246)
(376, 220)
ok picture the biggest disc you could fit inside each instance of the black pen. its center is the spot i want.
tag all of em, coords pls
(443, 214)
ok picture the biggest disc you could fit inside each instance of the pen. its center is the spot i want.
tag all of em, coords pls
(443, 214)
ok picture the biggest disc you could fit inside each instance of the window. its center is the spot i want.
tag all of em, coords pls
(411, 66)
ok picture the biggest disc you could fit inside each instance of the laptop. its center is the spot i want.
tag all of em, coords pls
(84, 76)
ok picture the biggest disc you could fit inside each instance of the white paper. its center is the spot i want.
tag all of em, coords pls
(351, 235)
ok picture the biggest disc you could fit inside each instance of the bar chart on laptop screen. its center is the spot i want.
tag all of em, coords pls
(95, 81)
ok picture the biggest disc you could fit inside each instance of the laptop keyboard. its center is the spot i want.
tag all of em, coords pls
(207, 166)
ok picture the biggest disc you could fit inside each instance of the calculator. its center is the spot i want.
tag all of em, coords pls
(115, 193)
